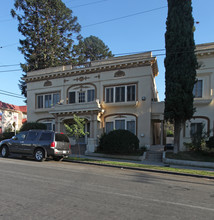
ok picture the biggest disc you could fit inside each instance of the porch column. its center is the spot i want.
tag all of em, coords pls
(56, 123)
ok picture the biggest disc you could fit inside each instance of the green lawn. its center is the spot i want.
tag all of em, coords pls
(203, 156)
(143, 166)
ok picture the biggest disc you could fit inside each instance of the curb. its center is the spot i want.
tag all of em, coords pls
(187, 162)
(141, 169)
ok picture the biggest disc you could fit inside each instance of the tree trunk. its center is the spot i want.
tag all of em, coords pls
(177, 132)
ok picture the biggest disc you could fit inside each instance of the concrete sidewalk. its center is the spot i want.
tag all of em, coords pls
(153, 163)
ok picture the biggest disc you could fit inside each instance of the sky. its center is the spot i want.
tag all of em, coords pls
(125, 26)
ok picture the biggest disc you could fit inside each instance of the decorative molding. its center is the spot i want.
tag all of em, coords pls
(81, 78)
(91, 70)
(66, 80)
(98, 76)
(47, 83)
(119, 73)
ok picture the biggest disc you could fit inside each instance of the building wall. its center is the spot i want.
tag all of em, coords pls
(204, 105)
(142, 76)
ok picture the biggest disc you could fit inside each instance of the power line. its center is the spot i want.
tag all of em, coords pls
(92, 3)
(2, 66)
(12, 95)
(5, 71)
(126, 16)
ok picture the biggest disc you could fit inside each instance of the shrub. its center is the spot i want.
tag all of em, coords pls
(210, 143)
(7, 135)
(33, 126)
(119, 142)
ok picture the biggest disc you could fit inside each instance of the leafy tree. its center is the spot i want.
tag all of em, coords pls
(90, 49)
(180, 64)
(76, 129)
(49, 31)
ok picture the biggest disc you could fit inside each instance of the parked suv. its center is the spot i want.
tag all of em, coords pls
(37, 143)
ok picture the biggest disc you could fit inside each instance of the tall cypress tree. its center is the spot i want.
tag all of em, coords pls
(180, 64)
(49, 31)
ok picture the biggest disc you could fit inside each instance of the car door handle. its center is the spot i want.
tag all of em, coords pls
(21, 142)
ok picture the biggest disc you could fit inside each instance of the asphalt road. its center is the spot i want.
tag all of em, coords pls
(63, 190)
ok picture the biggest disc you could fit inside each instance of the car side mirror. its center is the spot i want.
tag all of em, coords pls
(14, 138)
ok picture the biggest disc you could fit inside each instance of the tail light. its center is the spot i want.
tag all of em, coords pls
(53, 144)
(70, 146)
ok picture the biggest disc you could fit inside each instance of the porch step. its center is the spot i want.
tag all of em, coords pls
(154, 156)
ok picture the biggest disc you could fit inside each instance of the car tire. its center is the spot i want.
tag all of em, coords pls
(39, 155)
(58, 158)
(4, 151)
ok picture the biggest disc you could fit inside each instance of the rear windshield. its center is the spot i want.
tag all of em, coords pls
(61, 137)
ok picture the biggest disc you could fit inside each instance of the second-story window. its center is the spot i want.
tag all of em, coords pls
(109, 95)
(72, 97)
(131, 93)
(81, 97)
(124, 93)
(47, 100)
(197, 90)
(40, 101)
(82, 94)
(120, 94)
(90, 95)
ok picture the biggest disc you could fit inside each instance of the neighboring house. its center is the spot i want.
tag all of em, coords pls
(116, 93)
(204, 94)
(11, 116)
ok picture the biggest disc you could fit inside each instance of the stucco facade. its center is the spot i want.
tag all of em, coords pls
(204, 94)
(110, 94)
(11, 116)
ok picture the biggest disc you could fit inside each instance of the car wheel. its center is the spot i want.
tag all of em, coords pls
(5, 151)
(58, 158)
(39, 155)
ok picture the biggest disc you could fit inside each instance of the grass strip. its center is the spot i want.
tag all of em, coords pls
(144, 166)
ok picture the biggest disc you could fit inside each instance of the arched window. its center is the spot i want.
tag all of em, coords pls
(125, 122)
(81, 94)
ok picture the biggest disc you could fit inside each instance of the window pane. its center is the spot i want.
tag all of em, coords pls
(55, 98)
(21, 136)
(91, 95)
(40, 101)
(131, 93)
(49, 126)
(196, 129)
(32, 135)
(120, 124)
(109, 95)
(131, 126)
(47, 101)
(109, 127)
(72, 97)
(197, 90)
(46, 136)
(82, 97)
(120, 94)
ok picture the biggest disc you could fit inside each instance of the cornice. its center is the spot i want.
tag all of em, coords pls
(94, 69)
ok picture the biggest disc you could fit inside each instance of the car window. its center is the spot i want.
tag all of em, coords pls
(46, 136)
(32, 135)
(61, 137)
(21, 136)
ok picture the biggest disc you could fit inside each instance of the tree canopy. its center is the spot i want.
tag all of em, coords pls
(180, 64)
(91, 48)
(49, 30)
